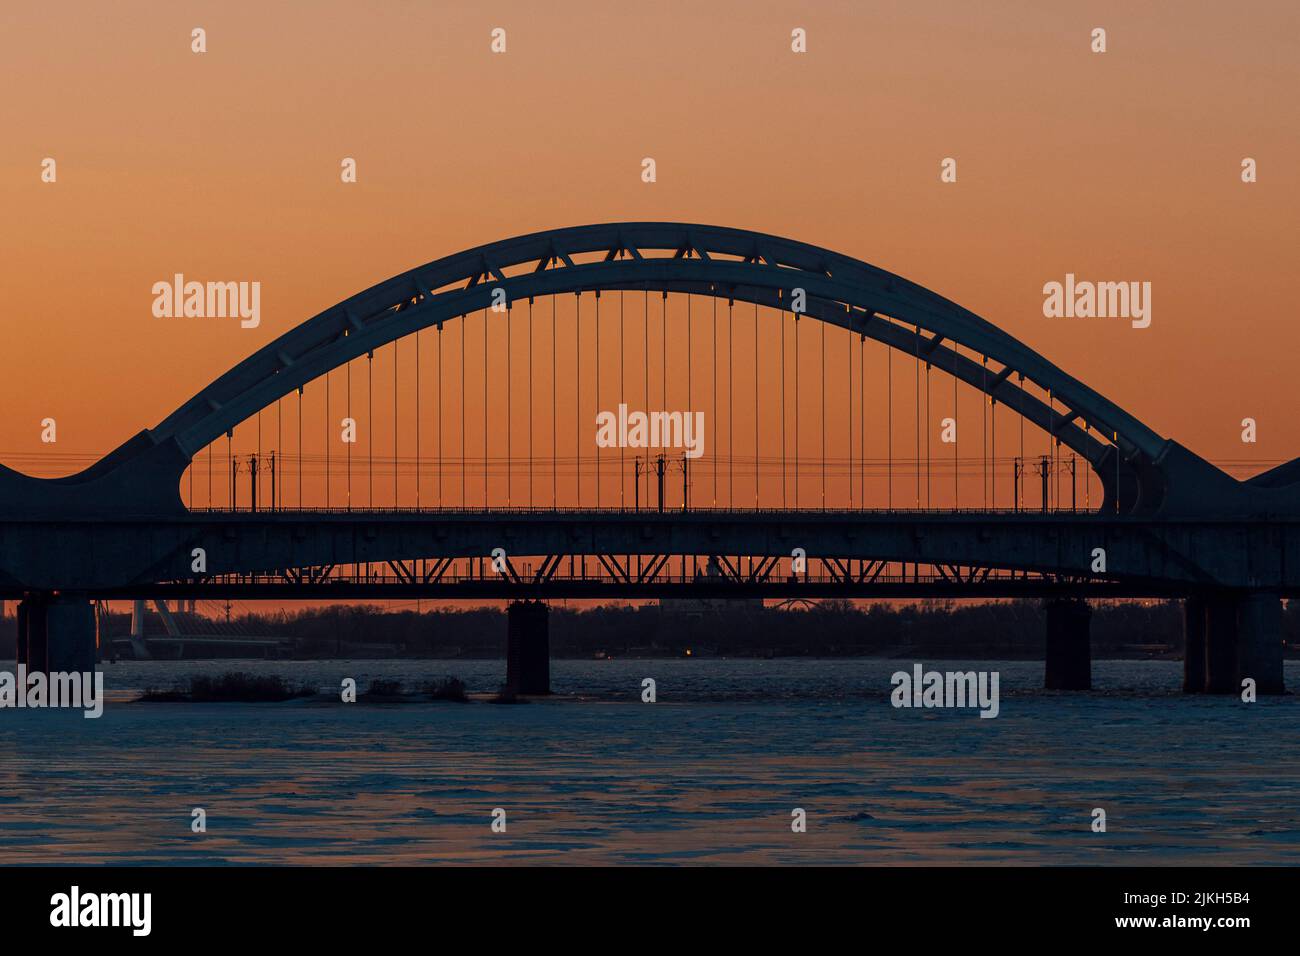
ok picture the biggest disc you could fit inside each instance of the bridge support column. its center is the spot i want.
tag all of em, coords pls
(31, 632)
(528, 648)
(1220, 644)
(70, 635)
(1259, 642)
(1194, 645)
(20, 633)
(56, 634)
(1069, 645)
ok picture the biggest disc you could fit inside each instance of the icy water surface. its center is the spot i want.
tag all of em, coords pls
(708, 774)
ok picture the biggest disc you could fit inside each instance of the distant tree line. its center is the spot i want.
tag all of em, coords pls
(1011, 629)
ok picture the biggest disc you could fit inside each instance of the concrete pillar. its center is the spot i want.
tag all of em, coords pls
(70, 634)
(1259, 642)
(35, 632)
(1194, 645)
(20, 632)
(1069, 645)
(528, 648)
(1221, 644)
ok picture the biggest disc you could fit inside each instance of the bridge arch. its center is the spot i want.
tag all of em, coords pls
(736, 264)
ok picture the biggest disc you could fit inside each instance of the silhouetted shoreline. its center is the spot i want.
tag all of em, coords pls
(1012, 630)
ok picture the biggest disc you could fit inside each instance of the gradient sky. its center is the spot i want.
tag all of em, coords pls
(1121, 166)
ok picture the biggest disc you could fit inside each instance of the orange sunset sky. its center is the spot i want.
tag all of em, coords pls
(1117, 166)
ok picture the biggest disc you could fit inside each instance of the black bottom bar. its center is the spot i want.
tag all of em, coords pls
(980, 906)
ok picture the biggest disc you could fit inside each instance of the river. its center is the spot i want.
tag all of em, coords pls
(709, 773)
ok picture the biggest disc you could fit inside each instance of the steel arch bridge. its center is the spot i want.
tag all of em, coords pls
(1170, 523)
(1141, 472)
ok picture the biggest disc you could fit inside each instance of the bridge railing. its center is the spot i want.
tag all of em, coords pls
(643, 512)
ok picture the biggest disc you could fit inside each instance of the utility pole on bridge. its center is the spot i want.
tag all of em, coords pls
(659, 476)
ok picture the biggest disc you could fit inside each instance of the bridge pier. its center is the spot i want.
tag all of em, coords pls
(1242, 637)
(1259, 642)
(70, 635)
(20, 633)
(1194, 610)
(1220, 644)
(56, 633)
(31, 640)
(528, 648)
(1069, 645)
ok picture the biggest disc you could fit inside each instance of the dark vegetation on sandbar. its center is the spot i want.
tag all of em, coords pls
(385, 689)
(240, 687)
(231, 687)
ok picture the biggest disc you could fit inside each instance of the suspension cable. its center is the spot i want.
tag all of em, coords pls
(1052, 451)
(862, 416)
(783, 447)
(928, 487)
(956, 494)
(984, 428)
(689, 407)
(348, 400)
(577, 396)
(663, 367)
(646, 356)
(327, 439)
(555, 432)
(916, 352)
(396, 459)
(278, 453)
(731, 404)
(849, 355)
(417, 419)
(622, 453)
(439, 403)
(597, 402)
(464, 334)
(1020, 493)
(530, 401)
(1087, 472)
(993, 451)
(370, 426)
(663, 370)
(510, 408)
